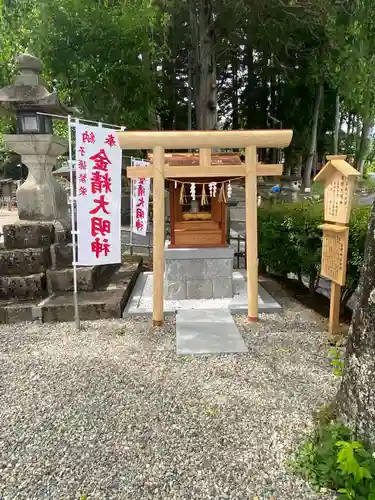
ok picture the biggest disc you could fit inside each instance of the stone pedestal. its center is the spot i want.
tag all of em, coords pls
(40, 197)
(198, 273)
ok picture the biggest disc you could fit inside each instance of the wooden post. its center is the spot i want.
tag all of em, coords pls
(334, 309)
(159, 235)
(205, 157)
(251, 232)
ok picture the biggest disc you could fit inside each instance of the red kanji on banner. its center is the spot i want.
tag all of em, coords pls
(88, 137)
(82, 151)
(98, 247)
(82, 164)
(82, 178)
(101, 205)
(82, 190)
(110, 140)
(139, 224)
(100, 226)
(139, 213)
(141, 202)
(100, 182)
(141, 189)
(101, 161)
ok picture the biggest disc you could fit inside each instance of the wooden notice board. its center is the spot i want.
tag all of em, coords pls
(338, 193)
(334, 253)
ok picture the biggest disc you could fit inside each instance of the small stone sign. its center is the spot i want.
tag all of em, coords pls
(334, 253)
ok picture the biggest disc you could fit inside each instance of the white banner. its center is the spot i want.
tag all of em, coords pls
(98, 185)
(140, 201)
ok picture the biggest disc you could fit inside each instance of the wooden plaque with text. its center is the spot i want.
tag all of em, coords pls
(334, 253)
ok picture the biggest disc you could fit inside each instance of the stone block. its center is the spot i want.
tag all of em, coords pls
(24, 262)
(182, 270)
(199, 289)
(61, 255)
(222, 288)
(175, 290)
(62, 280)
(26, 235)
(17, 313)
(218, 268)
(30, 286)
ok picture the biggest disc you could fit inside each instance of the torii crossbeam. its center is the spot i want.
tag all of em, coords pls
(204, 140)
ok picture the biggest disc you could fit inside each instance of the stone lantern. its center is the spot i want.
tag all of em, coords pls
(40, 198)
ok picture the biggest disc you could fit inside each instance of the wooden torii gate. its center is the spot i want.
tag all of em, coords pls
(204, 140)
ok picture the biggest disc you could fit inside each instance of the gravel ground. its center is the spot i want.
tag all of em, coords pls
(113, 413)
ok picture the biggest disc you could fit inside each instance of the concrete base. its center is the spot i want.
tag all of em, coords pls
(140, 302)
(198, 273)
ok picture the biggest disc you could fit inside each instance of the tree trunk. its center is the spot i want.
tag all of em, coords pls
(250, 86)
(314, 132)
(356, 397)
(363, 145)
(203, 37)
(235, 103)
(348, 141)
(336, 130)
(190, 93)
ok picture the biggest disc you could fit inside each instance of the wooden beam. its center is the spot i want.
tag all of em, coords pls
(189, 139)
(158, 236)
(189, 171)
(251, 232)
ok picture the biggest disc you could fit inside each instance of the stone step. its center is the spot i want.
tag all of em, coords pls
(24, 262)
(109, 302)
(106, 303)
(33, 285)
(28, 235)
(89, 278)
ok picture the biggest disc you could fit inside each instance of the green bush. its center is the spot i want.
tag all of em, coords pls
(332, 459)
(290, 241)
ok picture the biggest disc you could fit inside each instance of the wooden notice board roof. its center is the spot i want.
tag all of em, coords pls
(338, 163)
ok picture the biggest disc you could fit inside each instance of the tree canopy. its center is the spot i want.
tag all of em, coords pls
(301, 64)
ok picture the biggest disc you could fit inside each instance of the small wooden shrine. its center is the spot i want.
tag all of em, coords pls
(198, 206)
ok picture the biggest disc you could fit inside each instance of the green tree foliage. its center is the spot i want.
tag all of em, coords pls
(140, 63)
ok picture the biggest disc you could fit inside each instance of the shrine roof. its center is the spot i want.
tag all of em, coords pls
(187, 159)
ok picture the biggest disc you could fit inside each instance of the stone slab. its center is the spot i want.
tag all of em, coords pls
(27, 235)
(30, 286)
(140, 302)
(24, 262)
(197, 253)
(207, 332)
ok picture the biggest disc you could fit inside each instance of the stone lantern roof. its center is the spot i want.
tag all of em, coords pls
(29, 90)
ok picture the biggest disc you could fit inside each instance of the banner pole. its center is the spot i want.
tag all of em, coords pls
(131, 210)
(74, 230)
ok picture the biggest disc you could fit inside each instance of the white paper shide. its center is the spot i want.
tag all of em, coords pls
(140, 201)
(98, 185)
